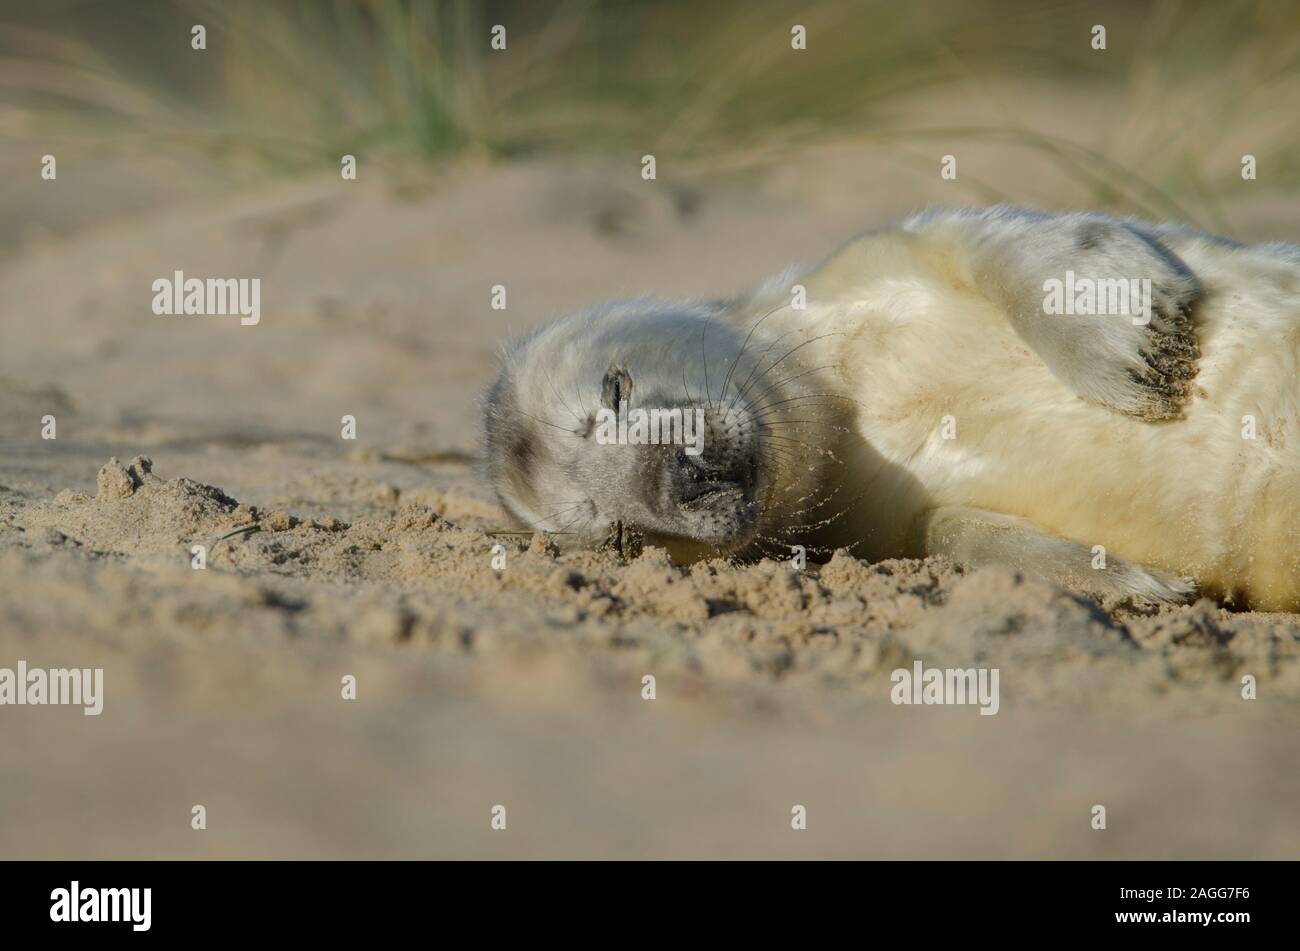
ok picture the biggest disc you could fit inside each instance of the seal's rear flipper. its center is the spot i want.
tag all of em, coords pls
(977, 537)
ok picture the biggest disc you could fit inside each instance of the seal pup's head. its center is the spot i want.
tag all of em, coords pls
(564, 451)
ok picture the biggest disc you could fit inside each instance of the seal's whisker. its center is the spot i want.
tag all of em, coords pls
(784, 357)
(704, 356)
(817, 502)
(798, 442)
(558, 513)
(549, 379)
(784, 454)
(797, 376)
(830, 519)
(544, 422)
(687, 390)
(529, 531)
(564, 529)
(811, 396)
(771, 345)
(535, 526)
(773, 419)
(745, 346)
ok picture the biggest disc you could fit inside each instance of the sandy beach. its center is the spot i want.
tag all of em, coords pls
(372, 558)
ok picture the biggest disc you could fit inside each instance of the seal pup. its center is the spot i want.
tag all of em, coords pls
(959, 384)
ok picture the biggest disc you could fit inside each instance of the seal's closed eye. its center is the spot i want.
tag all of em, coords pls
(616, 386)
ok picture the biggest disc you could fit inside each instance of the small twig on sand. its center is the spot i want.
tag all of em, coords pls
(242, 530)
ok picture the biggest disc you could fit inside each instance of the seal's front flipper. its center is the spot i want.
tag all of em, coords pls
(1100, 300)
(977, 537)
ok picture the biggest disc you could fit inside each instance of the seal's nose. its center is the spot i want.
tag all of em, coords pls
(698, 481)
(695, 491)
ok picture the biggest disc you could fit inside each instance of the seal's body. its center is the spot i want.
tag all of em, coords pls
(927, 398)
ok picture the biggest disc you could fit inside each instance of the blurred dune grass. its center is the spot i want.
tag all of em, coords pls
(290, 86)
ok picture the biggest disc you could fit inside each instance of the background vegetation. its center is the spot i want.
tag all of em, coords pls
(289, 86)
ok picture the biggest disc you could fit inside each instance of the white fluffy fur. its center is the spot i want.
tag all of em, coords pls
(1190, 496)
